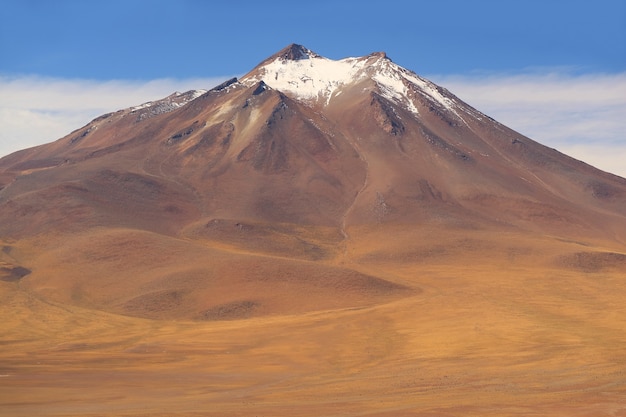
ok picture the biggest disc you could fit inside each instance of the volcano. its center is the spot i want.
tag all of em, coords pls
(336, 199)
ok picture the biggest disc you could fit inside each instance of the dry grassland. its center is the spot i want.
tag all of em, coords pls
(488, 325)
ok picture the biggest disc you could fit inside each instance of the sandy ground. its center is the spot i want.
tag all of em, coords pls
(475, 338)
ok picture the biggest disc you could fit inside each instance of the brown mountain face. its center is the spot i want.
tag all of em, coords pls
(311, 186)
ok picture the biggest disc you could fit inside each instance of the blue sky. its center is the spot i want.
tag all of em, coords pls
(553, 70)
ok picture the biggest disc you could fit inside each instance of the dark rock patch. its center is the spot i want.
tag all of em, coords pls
(13, 273)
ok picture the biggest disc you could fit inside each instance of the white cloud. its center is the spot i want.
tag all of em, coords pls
(582, 116)
(36, 110)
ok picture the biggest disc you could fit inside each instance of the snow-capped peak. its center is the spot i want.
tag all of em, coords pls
(305, 75)
(302, 73)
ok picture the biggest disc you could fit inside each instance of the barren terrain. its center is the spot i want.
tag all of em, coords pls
(485, 325)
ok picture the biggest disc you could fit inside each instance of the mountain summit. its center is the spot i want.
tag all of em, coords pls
(307, 158)
(294, 52)
(305, 75)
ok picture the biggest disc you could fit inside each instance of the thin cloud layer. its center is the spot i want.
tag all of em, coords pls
(582, 116)
(36, 110)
